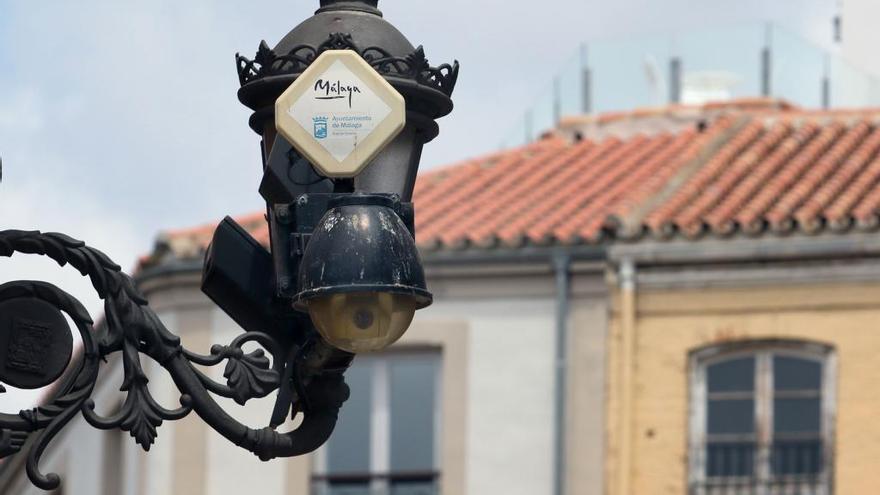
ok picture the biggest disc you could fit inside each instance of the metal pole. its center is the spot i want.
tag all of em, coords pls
(826, 84)
(586, 82)
(626, 365)
(528, 126)
(562, 263)
(766, 61)
(557, 101)
(675, 80)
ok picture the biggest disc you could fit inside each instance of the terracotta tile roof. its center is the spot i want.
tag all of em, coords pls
(807, 171)
(752, 167)
(192, 242)
(557, 190)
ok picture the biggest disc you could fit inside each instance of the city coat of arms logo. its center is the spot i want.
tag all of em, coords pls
(320, 127)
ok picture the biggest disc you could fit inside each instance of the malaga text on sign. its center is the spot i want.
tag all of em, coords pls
(340, 113)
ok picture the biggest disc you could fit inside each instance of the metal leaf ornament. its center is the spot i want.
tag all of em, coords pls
(134, 330)
(249, 375)
(144, 415)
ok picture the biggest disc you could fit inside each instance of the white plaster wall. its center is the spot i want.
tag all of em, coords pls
(158, 463)
(510, 392)
(133, 474)
(233, 470)
(509, 407)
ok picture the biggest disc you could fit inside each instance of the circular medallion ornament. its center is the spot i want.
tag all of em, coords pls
(35, 342)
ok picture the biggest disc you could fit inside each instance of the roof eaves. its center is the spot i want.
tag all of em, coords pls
(529, 253)
(739, 247)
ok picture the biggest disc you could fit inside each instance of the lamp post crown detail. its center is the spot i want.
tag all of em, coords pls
(342, 25)
(365, 5)
(346, 25)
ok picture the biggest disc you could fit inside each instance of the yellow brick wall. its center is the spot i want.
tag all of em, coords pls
(669, 324)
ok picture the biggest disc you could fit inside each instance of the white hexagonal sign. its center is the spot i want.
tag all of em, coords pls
(340, 113)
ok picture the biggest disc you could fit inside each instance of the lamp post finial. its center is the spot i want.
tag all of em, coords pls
(365, 5)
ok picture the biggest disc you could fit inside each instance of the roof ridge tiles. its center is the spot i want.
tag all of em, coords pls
(705, 197)
(573, 193)
(762, 171)
(694, 183)
(633, 220)
(568, 222)
(636, 180)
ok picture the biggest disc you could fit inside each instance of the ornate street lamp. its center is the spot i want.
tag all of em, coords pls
(344, 104)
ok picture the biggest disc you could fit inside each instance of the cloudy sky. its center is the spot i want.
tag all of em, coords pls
(119, 118)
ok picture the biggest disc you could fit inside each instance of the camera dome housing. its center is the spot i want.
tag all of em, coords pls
(360, 278)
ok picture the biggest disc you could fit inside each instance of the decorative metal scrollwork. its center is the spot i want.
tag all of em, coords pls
(133, 329)
(414, 66)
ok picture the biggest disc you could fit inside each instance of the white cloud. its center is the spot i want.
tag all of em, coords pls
(34, 201)
(22, 112)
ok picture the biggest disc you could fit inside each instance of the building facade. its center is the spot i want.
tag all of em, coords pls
(744, 316)
(746, 366)
(669, 301)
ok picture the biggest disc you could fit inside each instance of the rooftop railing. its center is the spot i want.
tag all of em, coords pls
(695, 67)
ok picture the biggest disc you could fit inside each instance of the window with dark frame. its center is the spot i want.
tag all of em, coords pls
(761, 418)
(386, 440)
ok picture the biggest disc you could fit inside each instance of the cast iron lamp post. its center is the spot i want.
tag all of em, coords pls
(342, 274)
